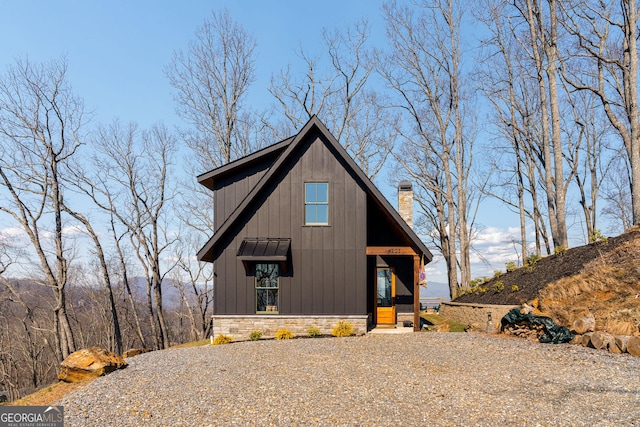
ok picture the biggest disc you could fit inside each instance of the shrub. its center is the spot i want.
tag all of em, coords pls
(482, 289)
(531, 260)
(598, 237)
(222, 339)
(497, 274)
(255, 335)
(514, 288)
(476, 282)
(342, 329)
(313, 332)
(560, 250)
(498, 286)
(284, 334)
(511, 266)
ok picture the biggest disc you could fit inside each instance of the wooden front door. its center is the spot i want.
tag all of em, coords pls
(386, 296)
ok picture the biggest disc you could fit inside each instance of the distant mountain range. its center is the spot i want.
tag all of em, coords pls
(434, 290)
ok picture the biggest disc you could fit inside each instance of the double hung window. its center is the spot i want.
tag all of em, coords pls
(316, 203)
(267, 286)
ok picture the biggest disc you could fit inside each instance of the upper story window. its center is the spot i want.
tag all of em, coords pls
(316, 203)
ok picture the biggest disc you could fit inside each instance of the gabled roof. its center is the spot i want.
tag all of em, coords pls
(288, 146)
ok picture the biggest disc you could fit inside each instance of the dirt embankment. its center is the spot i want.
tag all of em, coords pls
(602, 279)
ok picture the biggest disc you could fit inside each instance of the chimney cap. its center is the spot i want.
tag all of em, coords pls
(405, 186)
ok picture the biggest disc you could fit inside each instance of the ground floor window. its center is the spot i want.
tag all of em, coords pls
(267, 286)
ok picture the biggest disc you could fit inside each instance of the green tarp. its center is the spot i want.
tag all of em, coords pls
(552, 332)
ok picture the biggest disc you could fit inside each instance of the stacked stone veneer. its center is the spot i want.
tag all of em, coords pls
(405, 202)
(239, 326)
(475, 315)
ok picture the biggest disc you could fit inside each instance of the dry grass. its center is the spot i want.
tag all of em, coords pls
(441, 324)
(193, 344)
(47, 396)
(608, 288)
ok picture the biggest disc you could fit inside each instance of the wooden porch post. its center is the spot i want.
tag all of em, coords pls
(416, 293)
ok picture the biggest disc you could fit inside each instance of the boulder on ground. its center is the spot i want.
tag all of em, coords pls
(88, 363)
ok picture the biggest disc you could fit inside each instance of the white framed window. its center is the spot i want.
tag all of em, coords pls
(316, 203)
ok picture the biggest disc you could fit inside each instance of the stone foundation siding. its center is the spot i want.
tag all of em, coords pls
(240, 326)
(404, 316)
(474, 315)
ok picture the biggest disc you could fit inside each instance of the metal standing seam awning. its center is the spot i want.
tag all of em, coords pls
(261, 249)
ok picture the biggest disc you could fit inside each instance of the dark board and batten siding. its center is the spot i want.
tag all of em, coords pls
(230, 191)
(328, 274)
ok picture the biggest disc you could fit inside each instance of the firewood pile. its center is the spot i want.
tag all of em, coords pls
(585, 334)
(524, 330)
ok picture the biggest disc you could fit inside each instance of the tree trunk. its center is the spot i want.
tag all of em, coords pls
(152, 319)
(551, 51)
(164, 334)
(630, 77)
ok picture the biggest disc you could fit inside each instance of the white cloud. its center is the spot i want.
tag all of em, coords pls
(73, 231)
(14, 232)
(493, 247)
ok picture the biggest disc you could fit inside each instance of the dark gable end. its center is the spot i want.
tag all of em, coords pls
(285, 149)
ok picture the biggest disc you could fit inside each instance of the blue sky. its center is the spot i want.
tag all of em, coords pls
(117, 49)
(116, 52)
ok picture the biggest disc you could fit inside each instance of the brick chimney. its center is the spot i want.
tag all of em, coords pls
(405, 202)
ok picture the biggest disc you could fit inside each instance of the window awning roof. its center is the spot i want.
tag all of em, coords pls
(264, 249)
(260, 249)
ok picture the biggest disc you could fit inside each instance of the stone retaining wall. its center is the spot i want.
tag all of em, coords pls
(474, 315)
(239, 326)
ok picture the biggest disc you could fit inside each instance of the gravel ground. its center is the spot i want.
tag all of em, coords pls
(419, 379)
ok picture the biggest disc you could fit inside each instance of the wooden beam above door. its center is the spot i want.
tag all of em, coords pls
(390, 250)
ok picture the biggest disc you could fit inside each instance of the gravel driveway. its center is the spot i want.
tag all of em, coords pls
(418, 379)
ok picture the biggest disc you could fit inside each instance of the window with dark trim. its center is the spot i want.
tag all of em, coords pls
(267, 286)
(316, 203)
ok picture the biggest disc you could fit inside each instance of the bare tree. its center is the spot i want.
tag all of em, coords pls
(590, 159)
(41, 124)
(106, 275)
(501, 82)
(91, 182)
(424, 70)
(211, 79)
(193, 280)
(138, 165)
(25, 358)
(605, 62)
(541, 44)
(335, 86)
(617, 196)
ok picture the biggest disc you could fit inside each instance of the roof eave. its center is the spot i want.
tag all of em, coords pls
(208, 178)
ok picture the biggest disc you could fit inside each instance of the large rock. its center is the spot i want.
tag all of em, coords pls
(90, 362)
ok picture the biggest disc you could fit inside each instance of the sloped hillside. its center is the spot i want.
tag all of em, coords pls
(602, 279)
